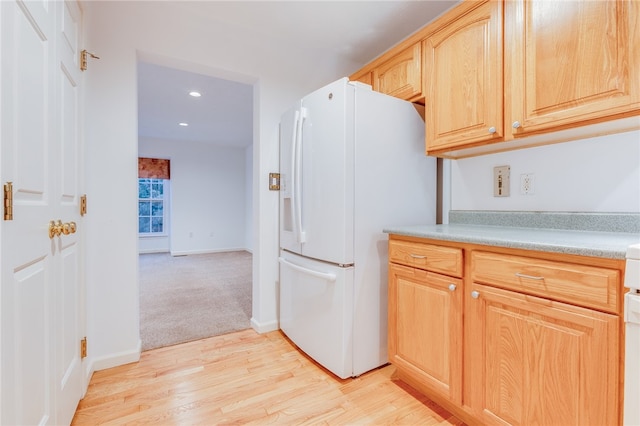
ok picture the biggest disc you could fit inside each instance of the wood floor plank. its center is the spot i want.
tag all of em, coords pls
(248, 378)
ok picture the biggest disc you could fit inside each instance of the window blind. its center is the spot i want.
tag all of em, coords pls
(153, 168)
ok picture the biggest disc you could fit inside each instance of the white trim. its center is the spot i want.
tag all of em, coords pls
(264, 327)
(188, 252)
(150, 251)
(114, 360)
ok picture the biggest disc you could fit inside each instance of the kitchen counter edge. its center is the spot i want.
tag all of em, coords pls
(610, 245)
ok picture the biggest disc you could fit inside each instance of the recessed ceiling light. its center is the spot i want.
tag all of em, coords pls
(183, 124)
(195, 94)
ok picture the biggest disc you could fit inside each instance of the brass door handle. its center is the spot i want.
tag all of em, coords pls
(69, 228)
(57, 228)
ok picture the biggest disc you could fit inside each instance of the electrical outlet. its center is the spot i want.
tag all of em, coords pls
(527, 184)
(501, 181)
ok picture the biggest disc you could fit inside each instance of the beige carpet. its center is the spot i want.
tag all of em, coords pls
(187, 298)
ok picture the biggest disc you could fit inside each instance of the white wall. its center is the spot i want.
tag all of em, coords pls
(207, 208)
(164, 33)
(600, 174)
(154, 244)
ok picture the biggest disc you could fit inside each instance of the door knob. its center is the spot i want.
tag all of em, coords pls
(57, 228)
(69, 228)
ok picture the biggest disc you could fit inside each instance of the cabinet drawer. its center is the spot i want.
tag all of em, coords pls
(445, 260)
(576, 284)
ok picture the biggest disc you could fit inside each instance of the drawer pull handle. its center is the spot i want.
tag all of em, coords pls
(531, 277)
(417, 256)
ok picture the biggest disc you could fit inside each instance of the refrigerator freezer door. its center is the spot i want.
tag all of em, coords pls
(290, 125)
(315, 310)
(327, 173)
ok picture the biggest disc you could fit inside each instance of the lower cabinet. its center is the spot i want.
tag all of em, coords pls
(535, 361)
(487, 344)
(425, 313)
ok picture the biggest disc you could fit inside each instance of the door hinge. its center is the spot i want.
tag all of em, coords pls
(274, 181)
(8, 201)
(83, 59)
(83, 205)
(83, 348)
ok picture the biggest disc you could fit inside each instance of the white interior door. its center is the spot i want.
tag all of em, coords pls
(40, 154)
(67, 169)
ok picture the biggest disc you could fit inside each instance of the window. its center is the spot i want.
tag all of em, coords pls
(151, 206)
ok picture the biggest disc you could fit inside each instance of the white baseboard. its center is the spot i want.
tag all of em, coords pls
(264, 327)
(149, 251)
(188, 252)
(102, 363)
(114, 360)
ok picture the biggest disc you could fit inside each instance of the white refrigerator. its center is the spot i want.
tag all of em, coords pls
(352, 162)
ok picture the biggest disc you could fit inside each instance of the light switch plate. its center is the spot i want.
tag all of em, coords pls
(501, 181)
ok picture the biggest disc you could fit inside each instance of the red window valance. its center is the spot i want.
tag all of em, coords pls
(153, 168)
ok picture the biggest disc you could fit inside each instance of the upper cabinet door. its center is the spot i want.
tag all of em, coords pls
(365, 77)
(570, 62)
(463, 65)
(401, 76)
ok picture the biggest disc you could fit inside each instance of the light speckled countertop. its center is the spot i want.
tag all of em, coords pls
(541, 234)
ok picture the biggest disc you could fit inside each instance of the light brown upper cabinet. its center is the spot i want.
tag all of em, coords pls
(363, 77)
(401, 75)
(570, 63)
(498, 75)
(463, 67)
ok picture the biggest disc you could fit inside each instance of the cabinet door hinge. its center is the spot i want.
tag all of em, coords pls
(83, 348)
(8, 201)
(274, 181)
(83, 205)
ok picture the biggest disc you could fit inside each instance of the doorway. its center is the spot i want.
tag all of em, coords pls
(203, 126)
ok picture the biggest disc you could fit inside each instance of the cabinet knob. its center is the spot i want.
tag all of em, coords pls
(516, 124)
(452, 287)
(492, 130)
(475, 294)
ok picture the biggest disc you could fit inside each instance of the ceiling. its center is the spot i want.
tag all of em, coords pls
(356, 30)
(223, 115)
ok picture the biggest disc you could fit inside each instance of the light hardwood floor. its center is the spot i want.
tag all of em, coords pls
(248, 378)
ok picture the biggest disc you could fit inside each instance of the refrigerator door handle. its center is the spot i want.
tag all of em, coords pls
(297, 191)
(294, 180)
(324, 275)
